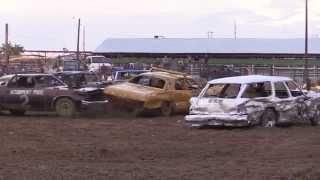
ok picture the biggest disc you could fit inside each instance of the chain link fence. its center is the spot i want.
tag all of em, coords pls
(218, 71)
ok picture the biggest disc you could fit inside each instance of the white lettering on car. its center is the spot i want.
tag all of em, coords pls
(25, 99)
(26, 92)
(37, 92)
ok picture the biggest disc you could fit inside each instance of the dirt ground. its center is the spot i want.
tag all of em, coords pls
(49, 147)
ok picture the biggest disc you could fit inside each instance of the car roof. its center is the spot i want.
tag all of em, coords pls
(74, 72)
(249, 79)
(7, 76)
(32, 74)
(130, 70)
(164, 75)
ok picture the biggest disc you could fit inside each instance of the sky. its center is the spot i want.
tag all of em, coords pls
(52, 24)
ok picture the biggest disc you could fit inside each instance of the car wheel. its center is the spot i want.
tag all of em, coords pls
(167, 109)
(315, 121)
(65, 107)
(137, 112)
(18, 112)
(268, 118)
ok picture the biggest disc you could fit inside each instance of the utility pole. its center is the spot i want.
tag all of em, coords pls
(78, 40)
(210, 34)
(306, 60)
(6, 44)
(235, 30)
(84, 39)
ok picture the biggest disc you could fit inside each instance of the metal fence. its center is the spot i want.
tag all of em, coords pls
(217, 71)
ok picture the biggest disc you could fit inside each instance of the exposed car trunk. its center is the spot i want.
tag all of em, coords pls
(137, 92)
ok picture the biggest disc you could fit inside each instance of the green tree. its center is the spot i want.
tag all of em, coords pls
(13, 49)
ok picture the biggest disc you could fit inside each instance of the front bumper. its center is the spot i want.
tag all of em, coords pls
(90, 103)
(232, 120)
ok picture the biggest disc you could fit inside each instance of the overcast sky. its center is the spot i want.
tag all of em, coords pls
(51, 24)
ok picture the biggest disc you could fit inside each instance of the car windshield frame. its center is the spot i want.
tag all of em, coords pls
(224, 88)
(154, 82)
(78, 79)
(42, 85)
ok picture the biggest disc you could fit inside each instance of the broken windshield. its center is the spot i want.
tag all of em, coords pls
(230, 91)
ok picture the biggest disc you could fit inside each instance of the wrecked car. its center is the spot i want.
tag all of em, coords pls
(42, 92)
(166, 92)
(252, 100)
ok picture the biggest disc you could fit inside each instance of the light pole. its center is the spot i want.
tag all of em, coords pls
(78, 40)
(306, 60)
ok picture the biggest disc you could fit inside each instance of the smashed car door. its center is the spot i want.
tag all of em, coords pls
(286, 105)
(50, 88)
(20, 91)
(182, 95)
(300, 100)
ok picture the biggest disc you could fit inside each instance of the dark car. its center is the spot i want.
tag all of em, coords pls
(42, 92)
(81, 79)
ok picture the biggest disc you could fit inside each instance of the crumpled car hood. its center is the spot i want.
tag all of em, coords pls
(88, 89)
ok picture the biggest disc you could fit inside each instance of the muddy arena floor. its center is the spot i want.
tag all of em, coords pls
(50, 147)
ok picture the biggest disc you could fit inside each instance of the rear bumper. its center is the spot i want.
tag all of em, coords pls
(232, 120)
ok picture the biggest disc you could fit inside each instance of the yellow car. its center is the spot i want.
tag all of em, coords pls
(166, 92)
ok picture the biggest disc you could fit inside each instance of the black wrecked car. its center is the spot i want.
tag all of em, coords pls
(43, 92)
(81, 79)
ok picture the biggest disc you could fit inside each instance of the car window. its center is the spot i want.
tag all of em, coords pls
(214, 90)
(294, 89)
(192, 84)
(149, 81)
(180, 85)
(22, 82)
(125, 75)
(230, 91)
(254, 90)
(186, 84)
(47, 81)
(281, 90)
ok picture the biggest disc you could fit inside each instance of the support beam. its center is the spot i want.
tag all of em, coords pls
(306, 56)
(6, 44)
(78, 41)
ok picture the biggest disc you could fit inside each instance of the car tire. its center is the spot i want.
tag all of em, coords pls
(315, 121)
(17, 112)
(65, 107)
(167, 109)
(137, 112)
(269, 118)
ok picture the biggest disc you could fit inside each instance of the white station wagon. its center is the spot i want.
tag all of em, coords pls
(252, 100)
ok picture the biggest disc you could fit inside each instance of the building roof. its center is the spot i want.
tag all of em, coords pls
(249, 79)
(202, 45)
